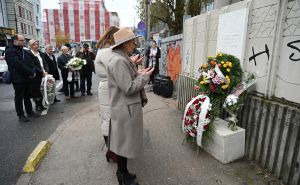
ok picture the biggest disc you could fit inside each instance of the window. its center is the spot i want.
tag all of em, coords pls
(37, 8)
(20, 11)
(25, 28)
(30, 16)
(22, 27)
(32, 30)
(27, 15)
(37, 20)
(23, 13)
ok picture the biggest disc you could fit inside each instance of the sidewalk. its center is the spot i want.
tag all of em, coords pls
(76, 156)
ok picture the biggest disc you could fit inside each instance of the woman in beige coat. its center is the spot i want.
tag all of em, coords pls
(101, 61)
(127, 96)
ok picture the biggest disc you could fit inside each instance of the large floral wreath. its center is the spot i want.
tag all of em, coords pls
(218, 83)
(196, 119)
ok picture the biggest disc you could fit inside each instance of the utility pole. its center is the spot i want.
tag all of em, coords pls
(147, 20)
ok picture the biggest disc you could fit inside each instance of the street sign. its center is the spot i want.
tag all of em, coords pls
(141, 26)
(141, 32)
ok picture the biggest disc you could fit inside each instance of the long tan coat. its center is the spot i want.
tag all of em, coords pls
(126, 133)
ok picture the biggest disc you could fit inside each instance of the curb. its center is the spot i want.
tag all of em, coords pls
(36, 156)
(25, 178)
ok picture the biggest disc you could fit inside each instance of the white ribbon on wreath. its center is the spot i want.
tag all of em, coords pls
(204, 108)
(48, 89)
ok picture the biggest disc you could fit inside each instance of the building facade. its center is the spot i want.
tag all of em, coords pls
(79, 19)
(19, 16)
(38, 20)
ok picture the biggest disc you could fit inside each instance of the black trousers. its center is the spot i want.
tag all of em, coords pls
(22, 93)
(68, 86)
(86, 76)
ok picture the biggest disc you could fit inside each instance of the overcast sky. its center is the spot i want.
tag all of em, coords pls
(125, 8)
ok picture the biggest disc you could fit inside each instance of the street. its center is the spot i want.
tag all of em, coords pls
(17, 140)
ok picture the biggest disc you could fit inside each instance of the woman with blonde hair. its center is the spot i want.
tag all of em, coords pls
(105, 41)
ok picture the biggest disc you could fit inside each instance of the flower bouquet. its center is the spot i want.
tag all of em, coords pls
(74, 64)
(235, 100)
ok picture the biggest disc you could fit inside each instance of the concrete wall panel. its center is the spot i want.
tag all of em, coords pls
(287, 79)
(200, 42)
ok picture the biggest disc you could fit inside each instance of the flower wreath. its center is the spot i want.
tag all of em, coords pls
(196, 117)
(48, 89)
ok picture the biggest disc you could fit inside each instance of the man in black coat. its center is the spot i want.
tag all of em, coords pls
(22, 71)
(62, 61)
(52, 65)
(87, 70)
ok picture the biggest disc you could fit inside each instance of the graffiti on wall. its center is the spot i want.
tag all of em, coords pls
(253, 57)
(292, 56)
(174, 60)
(293, 46)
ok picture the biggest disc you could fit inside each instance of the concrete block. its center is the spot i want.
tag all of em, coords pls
(225, 145)
(36, 156)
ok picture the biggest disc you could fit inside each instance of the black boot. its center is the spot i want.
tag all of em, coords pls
(126, 179)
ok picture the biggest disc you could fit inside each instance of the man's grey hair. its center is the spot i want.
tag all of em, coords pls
(48, 46)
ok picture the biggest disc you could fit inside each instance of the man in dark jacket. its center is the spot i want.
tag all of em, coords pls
(22, 72)
(52, 65)
(87, 70)
(62, 61)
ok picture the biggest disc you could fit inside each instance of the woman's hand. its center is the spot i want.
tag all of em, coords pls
(136, 60)
(147, 71)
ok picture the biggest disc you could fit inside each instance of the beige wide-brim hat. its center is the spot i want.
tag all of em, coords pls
(123, 35)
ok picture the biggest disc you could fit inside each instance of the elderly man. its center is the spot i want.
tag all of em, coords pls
(22, 72)
(87, 70)
(62, 61)
(52, 65)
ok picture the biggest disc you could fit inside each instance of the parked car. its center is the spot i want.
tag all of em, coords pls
(3, 64)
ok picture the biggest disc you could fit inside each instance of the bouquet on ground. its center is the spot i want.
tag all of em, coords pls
(236, 99)
(75, 63)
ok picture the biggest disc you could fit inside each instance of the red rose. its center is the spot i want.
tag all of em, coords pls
(205, 127)
(197, 107)
(196, 101)
(202, 99)
(190, 112)
(187, 122)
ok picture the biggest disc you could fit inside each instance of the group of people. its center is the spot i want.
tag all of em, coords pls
(121, 91)
(84, 75)
(28, 67)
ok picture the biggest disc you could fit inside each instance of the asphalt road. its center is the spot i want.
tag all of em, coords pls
(17, 140)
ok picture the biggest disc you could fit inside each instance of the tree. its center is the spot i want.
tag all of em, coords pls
(61, 39)
(171, 12)
(193, 7)
(168, 11)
